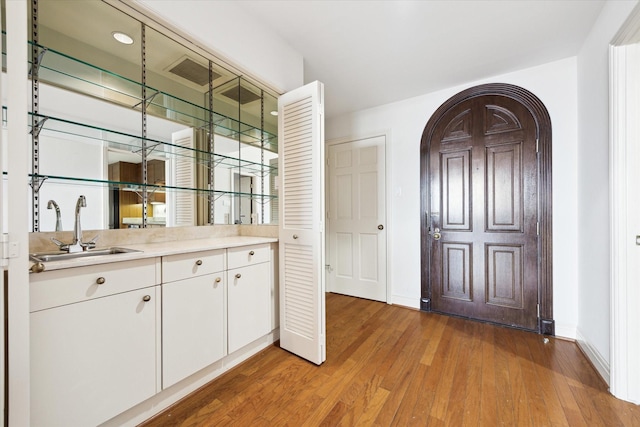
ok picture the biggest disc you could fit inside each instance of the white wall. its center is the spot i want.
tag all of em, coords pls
(555, 84)
(593, 179)
(228, 30)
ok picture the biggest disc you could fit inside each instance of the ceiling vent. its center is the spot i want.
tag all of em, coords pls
(241, 95)
(191, 70)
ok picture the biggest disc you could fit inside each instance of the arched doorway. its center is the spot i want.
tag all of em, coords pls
(486, 246)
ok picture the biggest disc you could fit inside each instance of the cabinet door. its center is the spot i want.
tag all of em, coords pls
(93, 360)
(249, 304)
(193, 326)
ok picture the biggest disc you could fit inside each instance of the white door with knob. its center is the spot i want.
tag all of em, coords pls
(356, 219)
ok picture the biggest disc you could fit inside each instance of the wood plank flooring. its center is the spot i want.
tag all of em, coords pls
(392, 366)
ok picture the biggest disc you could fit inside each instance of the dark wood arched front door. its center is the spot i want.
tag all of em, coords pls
(486, 208)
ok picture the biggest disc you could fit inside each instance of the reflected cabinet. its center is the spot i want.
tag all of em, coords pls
(151, 131)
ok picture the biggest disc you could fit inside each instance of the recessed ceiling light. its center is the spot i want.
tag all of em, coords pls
(122, 37)
(274, 113)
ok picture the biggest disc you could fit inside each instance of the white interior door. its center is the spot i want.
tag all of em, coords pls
(356, 224)
(301, 225)
(625, 220)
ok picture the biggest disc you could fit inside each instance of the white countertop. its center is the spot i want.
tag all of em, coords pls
(149, 250)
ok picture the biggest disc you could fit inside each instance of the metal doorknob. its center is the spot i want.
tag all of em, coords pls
(436, 234)
(380, 227)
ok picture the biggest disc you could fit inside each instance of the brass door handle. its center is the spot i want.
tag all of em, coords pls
(436, 234)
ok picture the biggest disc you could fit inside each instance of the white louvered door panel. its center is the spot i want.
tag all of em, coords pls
(301, 225)
(181, 209)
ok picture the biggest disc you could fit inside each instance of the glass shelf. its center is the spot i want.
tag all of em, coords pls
(138, 188)
(84, 133)
(64, 71)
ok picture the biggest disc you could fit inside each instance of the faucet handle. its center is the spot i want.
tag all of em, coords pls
(61, 246)
(91, 243)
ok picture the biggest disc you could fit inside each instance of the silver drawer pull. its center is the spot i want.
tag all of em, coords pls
(238, 276)
(100, 280)
(252, 253)
(295, 236)
(218, 280)
(146, 298)
(199, 262)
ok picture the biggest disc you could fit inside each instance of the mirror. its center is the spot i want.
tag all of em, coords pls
(194, 140)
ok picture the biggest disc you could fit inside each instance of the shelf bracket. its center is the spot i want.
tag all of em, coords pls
(36, 182)
(35, 130)
(147, 100)
(38, 61)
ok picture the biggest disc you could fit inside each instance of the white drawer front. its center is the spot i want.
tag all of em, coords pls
(248, 255)
(185, 266)
(59, 287)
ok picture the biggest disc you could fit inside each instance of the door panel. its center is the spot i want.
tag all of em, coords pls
(301, 225)
(356, 219)
(483, 198)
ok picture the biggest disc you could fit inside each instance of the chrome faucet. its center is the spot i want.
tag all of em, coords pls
(51, 204)
(77, 245)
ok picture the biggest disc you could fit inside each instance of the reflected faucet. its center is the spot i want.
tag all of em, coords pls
(51, 204)
(77, 245)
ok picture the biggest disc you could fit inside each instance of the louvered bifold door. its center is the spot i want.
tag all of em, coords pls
(301, 229)
(182, 205)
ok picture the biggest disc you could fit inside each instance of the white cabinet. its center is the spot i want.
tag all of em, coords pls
(93, 352)
(193, 313)
(249, 295)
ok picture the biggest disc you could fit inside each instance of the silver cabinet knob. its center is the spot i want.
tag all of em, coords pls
(218, 280)
(199, 262)
(238, 276)
(295, 236)
(146, 298)
(100, 280)
(380, 227)
(252, 253)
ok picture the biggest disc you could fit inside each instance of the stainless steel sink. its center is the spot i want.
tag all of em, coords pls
(59, 256)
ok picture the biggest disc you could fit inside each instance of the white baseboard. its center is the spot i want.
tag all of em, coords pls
(406, 302)
(594, 356)
(565, 331)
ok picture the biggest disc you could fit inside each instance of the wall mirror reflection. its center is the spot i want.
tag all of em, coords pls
(151, 132)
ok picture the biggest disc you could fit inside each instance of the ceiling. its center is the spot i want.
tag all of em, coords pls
(369, 53)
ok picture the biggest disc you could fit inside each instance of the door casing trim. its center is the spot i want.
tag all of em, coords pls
(546, 324)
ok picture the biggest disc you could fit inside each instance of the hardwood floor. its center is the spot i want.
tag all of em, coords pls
(391, 366)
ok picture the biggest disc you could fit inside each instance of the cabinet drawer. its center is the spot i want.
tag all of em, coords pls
(248, 255)
(185, 266)
(59, 287)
